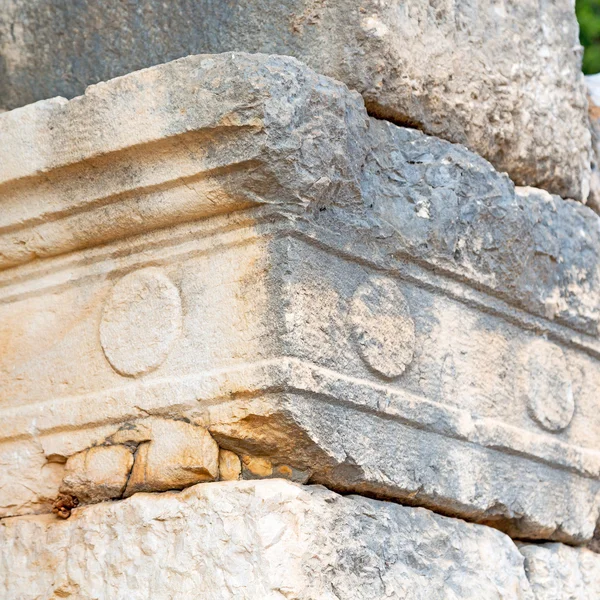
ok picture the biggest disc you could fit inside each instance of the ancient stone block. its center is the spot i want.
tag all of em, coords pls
(266, 539)
(97, 474)
(501, 77)
(557, 572)
(230, 244)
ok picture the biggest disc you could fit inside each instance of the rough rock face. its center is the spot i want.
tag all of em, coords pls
(501, 77)
(229, 244)
(558, 572)
(268, 539)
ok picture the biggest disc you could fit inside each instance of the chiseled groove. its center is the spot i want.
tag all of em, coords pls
(282, 377)
(102, 238)
(222, 135)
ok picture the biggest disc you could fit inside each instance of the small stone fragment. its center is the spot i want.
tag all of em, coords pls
(230, 466)
(97, 474)
(255, 467)
(291, 473)
(64, 504)
(171, 455)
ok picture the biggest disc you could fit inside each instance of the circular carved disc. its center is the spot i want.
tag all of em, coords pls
(382, 327)
(141, 320)
(547, 386)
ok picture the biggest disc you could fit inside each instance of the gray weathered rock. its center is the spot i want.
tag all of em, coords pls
(250, 540)
(502, 77)
(558, 572)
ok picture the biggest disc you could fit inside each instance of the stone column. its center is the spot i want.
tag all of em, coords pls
(369, 360)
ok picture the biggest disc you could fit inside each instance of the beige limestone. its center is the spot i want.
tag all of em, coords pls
(170, 455)
(230, 466)
(256, 540)
(230, 244)
(97, 474)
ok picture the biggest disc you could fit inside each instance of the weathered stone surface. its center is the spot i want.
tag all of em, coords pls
(558, 572)
(351, 301)
(502, 77)
(267, 539)
(170, 455)
(230, 466)
(97, 474)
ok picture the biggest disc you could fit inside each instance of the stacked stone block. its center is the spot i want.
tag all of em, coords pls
(366, 356)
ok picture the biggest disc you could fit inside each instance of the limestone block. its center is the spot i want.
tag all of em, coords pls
(97, 474)
(171, 455)
(558, 572)
(502, 77)
(230, 244)
(266, 539)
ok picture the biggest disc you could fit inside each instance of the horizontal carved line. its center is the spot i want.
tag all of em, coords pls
(287, 374)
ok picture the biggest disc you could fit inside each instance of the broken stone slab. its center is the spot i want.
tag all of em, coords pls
(257, 540)
(504, 78)
(556, 572)
(231, 242)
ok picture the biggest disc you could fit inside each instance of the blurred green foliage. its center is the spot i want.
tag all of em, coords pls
(588, 15)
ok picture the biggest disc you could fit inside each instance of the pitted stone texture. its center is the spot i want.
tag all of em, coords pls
(230, 466)
(171, 455)
(141, 320)
(97, 474)
(502, 77)
(251, 540)
(558, 572)
(450, 208)
(281, 135)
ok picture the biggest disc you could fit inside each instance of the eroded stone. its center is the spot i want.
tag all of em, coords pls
(97, 474)
(130, 340)
(290, 226)
(502, 77)
(259, 539)
(558, 572)
(170, 455)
